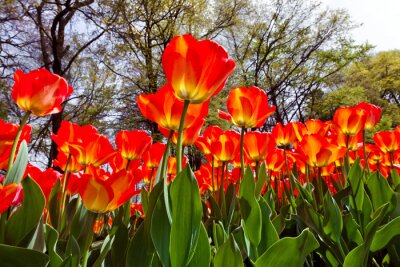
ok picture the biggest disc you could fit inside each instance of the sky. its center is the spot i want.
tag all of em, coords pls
(380, 21)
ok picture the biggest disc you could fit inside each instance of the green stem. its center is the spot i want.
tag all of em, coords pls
(365, 153)
(164, 163)
(164, 166)
(179, 142)
(63, 194)
(16, 140)
(212, 176)
(241, 150)
(257, 168)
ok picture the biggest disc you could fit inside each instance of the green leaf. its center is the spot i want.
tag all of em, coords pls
(249, 208)
(140, 252)
(120, 245)
(215, 210)
(105, 248)
(359, 255)
(51, 236)
(385, 235)
(22, 224)
(53, 204)
(160, 231)
(230, 198)
(357, 187)
(186, 217)
(289, 251)
(262, 179)
(141, 249)
(202, 254)
(21, 257)
(269, 235)
(332, 223)
(395, 177)
(144, 196)
(72, 253)
(351, 230)
(380, 191)
(228, 254)
(218, 234)
(19, 166)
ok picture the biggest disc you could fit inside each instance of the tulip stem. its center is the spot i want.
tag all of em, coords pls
(16, 140)
(63, 194)
(241, 150)
(179, 142)
(212, 176)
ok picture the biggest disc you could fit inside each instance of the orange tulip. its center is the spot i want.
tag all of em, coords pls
(195, 69)
(373, 114)
(152, 156)
(318, 152)
(132, 144)
(7, 195)
(166, 110)
(71, 133)
(225, 148)
(275, 160)
(310, 127)
(45, 179)
(40, 92)
(7, 136)
(247, 107)
(102, 192)
(387, 141)
(350, 121)
(210, 135)
(257, 145)
(189, 136)
(95, 149)
(283, 135)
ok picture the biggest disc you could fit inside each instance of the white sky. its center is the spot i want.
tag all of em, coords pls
(380, 21)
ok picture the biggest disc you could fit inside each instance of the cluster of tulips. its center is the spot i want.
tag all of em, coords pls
(303, 189)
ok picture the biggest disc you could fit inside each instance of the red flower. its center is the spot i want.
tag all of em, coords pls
(387, 141)
(247, 107)
(95, 149)
(257, 145)
(132, 144)
(153, 155)
(7, 195)
(7, 136)
(166, 110)
(318, 152)
(350, 121)
(102, 192)
(225, 148)
(71, 133)
(45, 179)
(195, 69)
(189, 135)
(373, 114)
(210, 135)
(40, 91)
(283, 135)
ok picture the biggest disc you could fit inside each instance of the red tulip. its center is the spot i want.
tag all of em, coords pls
(152, 156)
(45, 179)
(387, 141)
(318, 152)
(350, 121)
(104, 192)
(247, 107)
(40, 92)
(210, 135)
(225, 148)
(195, 69)
(373, 114)
(132, 144)
(166, 110)
(7, 196)
(257, 145)
(7, 136)
(283, 135)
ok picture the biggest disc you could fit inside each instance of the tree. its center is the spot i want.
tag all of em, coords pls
(375, 79)
(289, 48)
